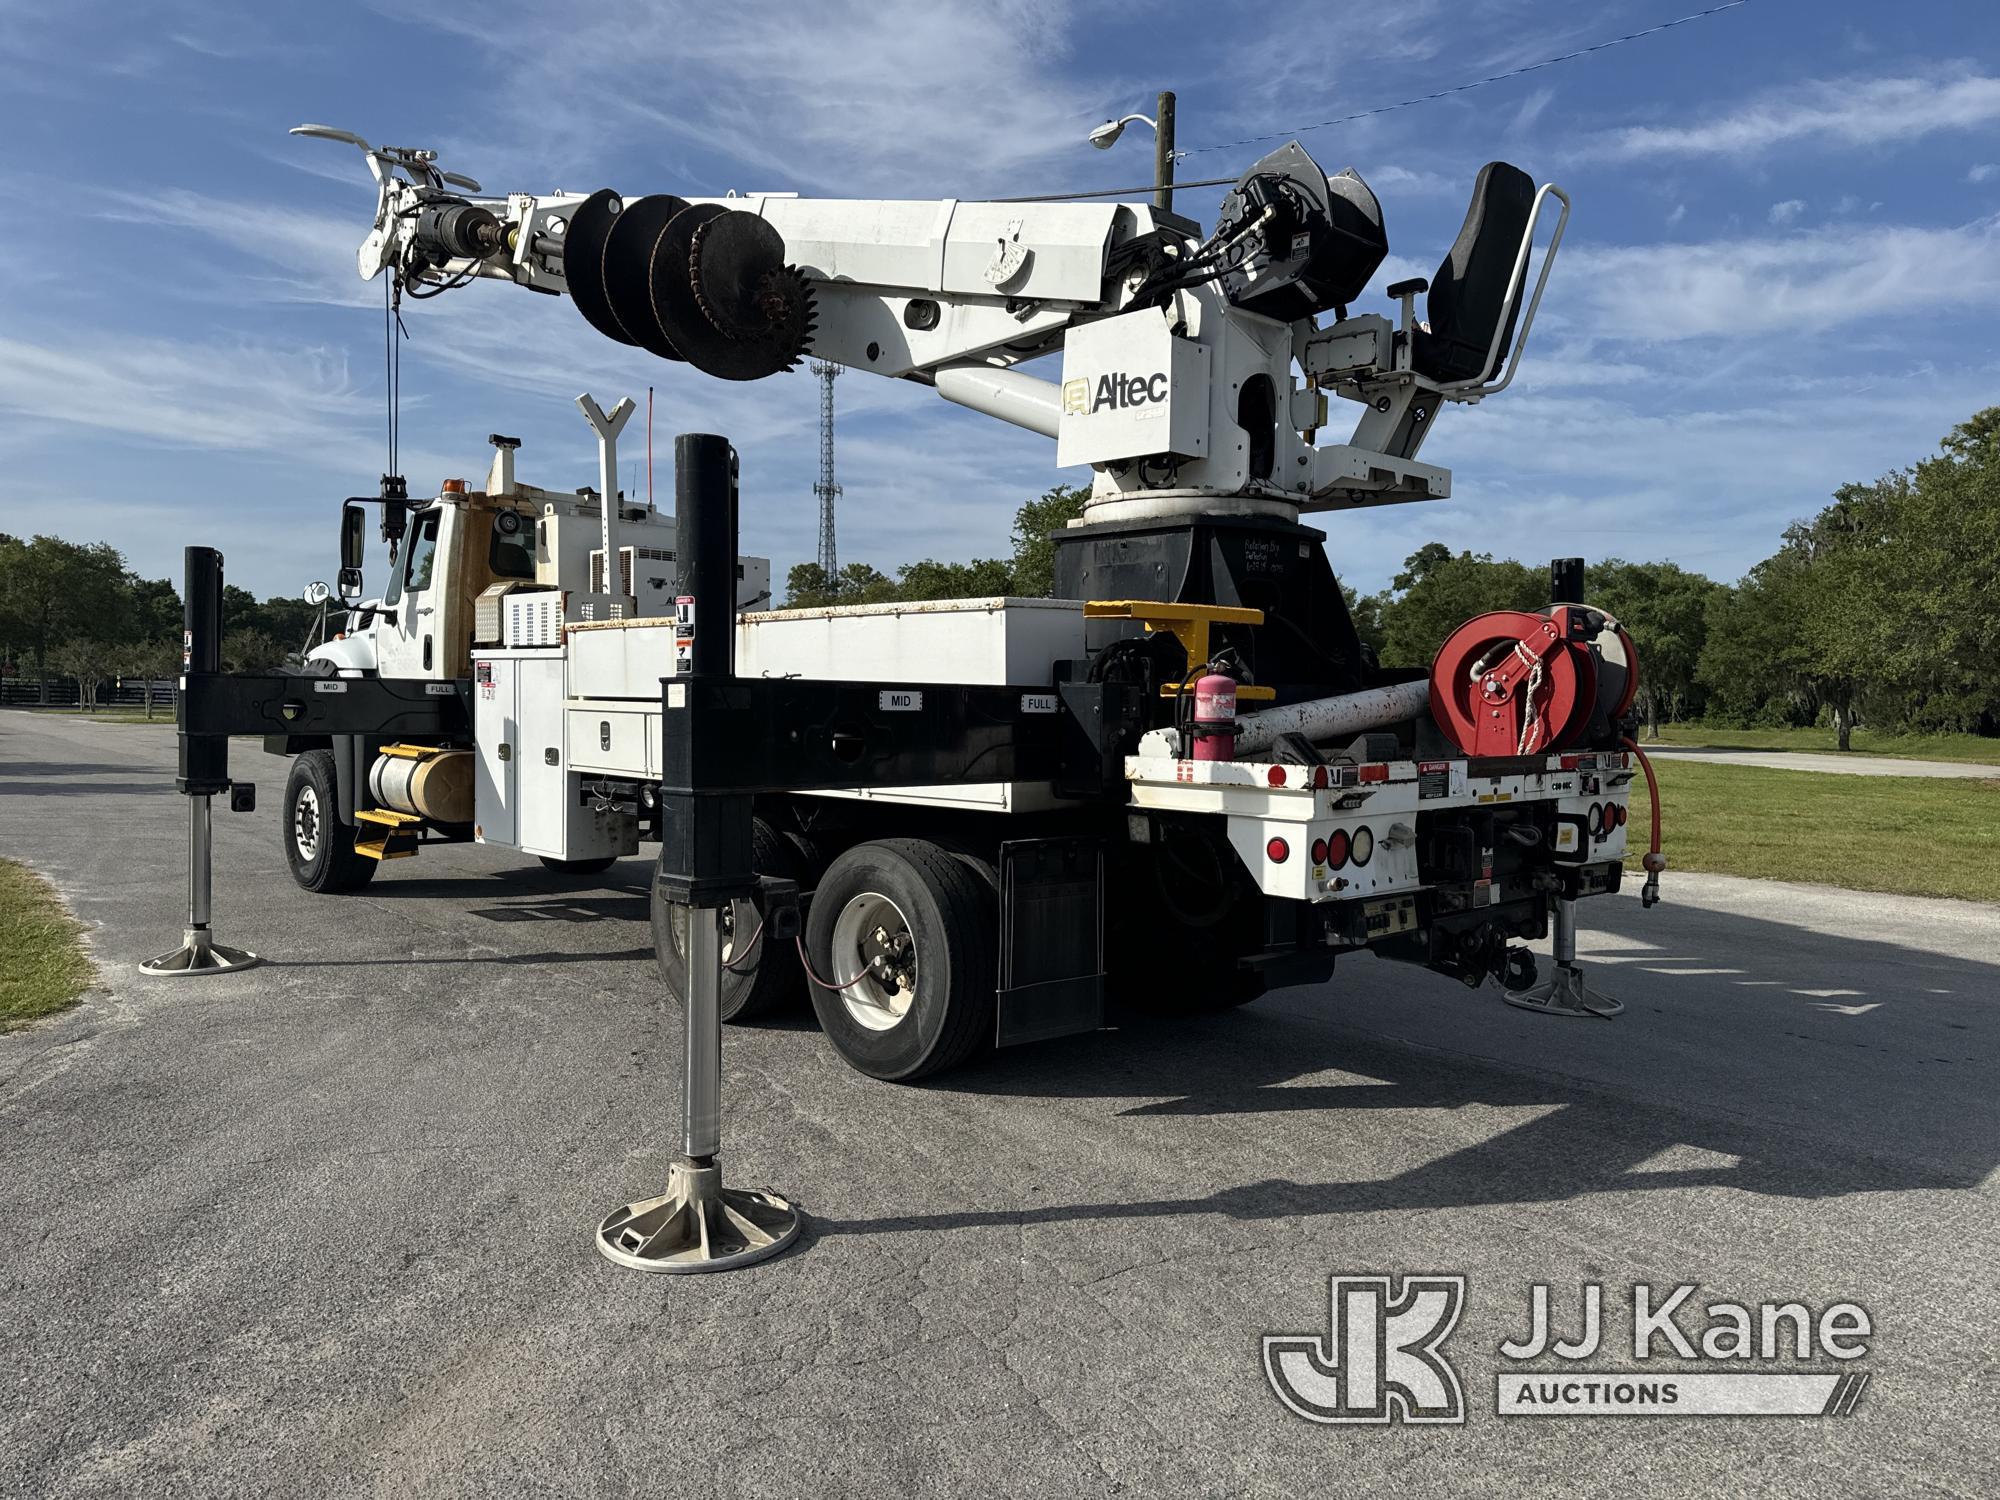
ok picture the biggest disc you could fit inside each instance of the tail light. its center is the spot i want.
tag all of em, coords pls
(1278, 851)
(1337, 849)
(1319, 851)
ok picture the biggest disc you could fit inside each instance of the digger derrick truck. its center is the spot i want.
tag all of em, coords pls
(1180, 781)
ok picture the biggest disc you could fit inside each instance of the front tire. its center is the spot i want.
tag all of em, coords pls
(319, 848)
(907, 932)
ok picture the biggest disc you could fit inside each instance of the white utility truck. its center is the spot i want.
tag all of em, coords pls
(1198, 783)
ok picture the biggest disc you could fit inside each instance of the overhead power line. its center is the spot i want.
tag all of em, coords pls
(1383, 109)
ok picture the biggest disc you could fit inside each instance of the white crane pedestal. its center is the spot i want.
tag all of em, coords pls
(698, 1224)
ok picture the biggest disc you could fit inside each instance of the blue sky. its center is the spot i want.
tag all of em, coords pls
(1783, 271)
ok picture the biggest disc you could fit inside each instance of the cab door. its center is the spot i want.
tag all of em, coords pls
(408, 644)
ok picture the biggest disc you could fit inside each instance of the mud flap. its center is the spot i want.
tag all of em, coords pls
(1051, 980)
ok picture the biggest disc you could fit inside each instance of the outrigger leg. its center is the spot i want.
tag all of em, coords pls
(1565, 992)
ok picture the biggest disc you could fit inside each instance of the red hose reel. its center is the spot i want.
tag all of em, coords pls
(1512, 683)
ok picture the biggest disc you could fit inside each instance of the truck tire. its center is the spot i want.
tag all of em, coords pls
(767, 978)
(579, 866)
(902, 941)
(319, 848)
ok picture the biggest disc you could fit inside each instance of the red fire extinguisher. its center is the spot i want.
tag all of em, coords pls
(1215, 717)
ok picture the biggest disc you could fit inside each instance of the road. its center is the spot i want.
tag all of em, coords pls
(325, 1226)
(1840, 765)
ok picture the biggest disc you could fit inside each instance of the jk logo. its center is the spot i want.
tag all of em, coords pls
(1379, 1361)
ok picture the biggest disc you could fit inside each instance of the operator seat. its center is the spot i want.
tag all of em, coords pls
(1468, 296)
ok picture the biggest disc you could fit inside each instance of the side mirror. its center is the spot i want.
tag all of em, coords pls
(353, 537)
(348, 583)
(317, 593)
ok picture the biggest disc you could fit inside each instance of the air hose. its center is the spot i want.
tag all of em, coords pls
(1654, 861)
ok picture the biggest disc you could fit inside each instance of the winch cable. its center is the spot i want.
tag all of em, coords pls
(392, 362)
(1654, 861)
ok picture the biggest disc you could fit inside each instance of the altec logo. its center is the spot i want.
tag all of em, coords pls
(1114, 392)
(1380, 1361)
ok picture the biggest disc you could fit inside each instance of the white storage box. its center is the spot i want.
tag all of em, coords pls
(953, 640)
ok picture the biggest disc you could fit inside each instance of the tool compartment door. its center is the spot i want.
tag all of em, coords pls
(496, 711)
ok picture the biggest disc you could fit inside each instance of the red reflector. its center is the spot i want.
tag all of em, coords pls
(1319, 851)
(1275, 776)
(1319, 776)
(1376, 772)
(1623, 814)
(1278, 851)
(1571, 762)
(1336, 849)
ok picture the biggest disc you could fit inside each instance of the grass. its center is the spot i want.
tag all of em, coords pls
(46, 966)
(1903, 834)
(122, 714)
(1967, 749)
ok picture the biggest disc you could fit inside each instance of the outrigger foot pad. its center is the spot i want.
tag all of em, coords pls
(200, 954)
(1564, 993)
(698, 1224)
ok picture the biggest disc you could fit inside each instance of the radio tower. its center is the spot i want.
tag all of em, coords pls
(826, 489)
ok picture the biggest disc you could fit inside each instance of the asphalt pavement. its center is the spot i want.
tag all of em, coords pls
(1810, 760)
(325, 1226)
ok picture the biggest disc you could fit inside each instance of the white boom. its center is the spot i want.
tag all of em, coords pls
(1194, 371)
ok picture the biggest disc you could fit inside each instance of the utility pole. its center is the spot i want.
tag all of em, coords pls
(1163, 154)
(826, 489)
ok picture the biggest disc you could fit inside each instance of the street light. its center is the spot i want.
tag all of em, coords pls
(1106, 135)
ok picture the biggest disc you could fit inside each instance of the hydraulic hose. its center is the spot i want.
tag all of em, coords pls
(1654, 861)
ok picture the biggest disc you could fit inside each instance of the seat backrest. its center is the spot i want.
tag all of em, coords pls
(1468, 297)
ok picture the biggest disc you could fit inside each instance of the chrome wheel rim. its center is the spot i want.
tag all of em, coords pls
(677, 924)
(874, 961)
(306, 824)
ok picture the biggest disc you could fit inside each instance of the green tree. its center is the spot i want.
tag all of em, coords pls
(1036, 525)
(150, 661)
(1439, 590)
(1665, 610)
(251, 651)
(807, 587)
(87, 658)
(982, 578)
(51, 589)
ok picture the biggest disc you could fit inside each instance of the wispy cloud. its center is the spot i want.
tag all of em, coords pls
(1984, 171)
(900, 96)
(1865, 112)
(1786, 212)
(1801, 283)
(313, 253)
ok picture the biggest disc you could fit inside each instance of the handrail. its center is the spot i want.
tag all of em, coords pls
(1479, 385)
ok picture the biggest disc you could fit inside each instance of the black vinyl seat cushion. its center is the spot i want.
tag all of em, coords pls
(1468, 296)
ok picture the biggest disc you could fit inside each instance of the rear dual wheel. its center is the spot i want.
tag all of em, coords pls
(760, 975)
(902, 940)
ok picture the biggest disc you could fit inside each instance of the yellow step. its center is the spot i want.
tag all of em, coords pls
(387, 818)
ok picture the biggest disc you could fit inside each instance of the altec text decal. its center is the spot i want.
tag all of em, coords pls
(1116, 392)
